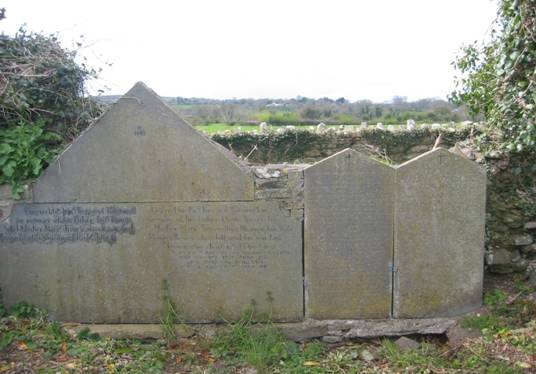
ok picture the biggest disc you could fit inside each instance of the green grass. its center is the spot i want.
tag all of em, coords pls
(29, 342)
(212, 128)
(263, 347)
(505, 311)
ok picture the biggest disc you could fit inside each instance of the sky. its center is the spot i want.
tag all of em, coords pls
(360, 49)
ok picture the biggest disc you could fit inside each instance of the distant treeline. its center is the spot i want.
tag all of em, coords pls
(307, 111)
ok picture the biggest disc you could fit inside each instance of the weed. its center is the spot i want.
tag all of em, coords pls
(38, 317)
(261, 346)
(24, 151)
(264, 346)
(171, 315)
(86, 334)
(505, 312)
(495, 298)
(247, 343)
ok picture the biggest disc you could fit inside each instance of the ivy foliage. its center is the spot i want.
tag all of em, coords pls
(498, 78)
(43, 103)
(25, 149)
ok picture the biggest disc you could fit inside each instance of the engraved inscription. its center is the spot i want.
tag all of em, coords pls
(139, 131)
(214, 236)
(37, 223)
(347, 237)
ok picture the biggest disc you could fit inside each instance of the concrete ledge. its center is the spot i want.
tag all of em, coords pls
(309, 329)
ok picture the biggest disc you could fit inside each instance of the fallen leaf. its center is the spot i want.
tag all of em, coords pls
(71, 365)
(63, 358)
(311, 363)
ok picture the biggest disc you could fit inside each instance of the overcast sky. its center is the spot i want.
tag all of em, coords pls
(360, 49)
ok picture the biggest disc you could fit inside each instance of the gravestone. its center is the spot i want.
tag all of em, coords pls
(439, 236)
(141, 150)
(348, 237)
(142, 211)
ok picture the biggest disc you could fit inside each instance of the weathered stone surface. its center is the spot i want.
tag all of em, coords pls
(502, 261)
(348, 237)
(287, 185)
(142, 151)
(331, 339)
(531, 278)
(457, 335)
(501, 256)
(530, 225)
(303, 331)
(297, 331)
(392, 327)
(130, 331)
(529, 249)
(522, 239)
(115, 263)
(405, 344)
(5, 209)
(439, 236)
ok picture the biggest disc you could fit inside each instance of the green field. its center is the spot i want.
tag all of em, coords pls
(212, 128)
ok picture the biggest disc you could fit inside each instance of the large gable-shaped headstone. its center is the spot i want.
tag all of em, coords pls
(439, 235)
(348, 237)
(142, 151)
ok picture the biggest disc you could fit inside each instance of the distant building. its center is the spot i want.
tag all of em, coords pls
(274, 105)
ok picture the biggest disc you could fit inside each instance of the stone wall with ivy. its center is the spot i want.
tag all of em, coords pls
(297, 145)
(511, 211)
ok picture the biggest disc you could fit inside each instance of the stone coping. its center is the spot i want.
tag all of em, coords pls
(298, 331)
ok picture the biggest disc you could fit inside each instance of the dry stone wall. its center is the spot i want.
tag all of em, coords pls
(142, 210)
(305, 145)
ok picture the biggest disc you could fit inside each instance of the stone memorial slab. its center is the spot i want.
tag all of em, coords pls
(439, 236)
(118, 262)
(348, 237)
(142, 151)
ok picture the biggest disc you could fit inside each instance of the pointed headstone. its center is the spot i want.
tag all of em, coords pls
(439, 235)
(142, 151)
(142, 211)
(348, 237)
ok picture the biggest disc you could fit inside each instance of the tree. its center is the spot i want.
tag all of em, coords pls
(310, 112)
(498, 78)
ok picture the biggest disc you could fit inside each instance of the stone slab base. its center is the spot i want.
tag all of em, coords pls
(310, 329)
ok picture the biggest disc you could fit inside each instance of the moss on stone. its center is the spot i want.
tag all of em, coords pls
(292, 145)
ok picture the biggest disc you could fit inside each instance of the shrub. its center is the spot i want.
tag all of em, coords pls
(43, 103)
(40, 80)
